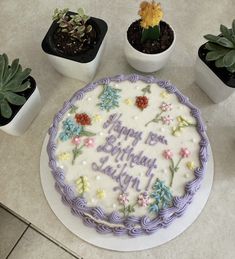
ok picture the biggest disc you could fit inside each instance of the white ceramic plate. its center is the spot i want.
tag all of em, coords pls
(109, 241)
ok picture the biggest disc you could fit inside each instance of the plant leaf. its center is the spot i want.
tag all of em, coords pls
(214, 55)
(3, 67)
(229, 58)
(225, 42)
(211, 38)
(233, 26)
(5, 109)
(219, 62)
(15, 98)
(213, 46)
(21, 88)
(232, 68)
(225, 32)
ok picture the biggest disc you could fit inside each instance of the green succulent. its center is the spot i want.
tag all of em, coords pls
(74, 25)
(221, 48)
(11, 83)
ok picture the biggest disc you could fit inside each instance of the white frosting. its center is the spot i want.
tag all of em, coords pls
(132, 117)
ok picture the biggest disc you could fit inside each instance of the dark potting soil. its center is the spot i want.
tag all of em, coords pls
(227, 77)
(71, 46)
(166, 38)
(15, 108)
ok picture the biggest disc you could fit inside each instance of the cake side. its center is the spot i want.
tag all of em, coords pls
(134, 209)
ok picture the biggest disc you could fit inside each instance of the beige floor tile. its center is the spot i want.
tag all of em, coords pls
(35, 246)
(11, 229)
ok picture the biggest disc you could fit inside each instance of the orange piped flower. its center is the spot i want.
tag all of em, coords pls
(150, 13)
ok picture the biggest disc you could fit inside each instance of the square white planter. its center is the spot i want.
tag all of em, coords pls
(24, 117)
(82, 66)
(210, 83)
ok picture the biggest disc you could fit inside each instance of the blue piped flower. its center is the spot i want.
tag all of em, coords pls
(70, 129)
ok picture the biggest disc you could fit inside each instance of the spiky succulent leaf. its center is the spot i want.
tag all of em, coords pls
(21, 88)
(15, 98)
(229, 58)
(3, 67)
(5, 109)
(11, 71)
(226, 32)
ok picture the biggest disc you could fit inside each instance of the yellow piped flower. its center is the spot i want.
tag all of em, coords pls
(164, 94)
(82, 185)
(190, 165)
(64, 156)
(128, 101)
(100, 194)
(97, 118)
(151, 14)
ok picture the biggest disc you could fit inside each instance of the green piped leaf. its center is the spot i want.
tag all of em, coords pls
(87, 133)
(5, 109)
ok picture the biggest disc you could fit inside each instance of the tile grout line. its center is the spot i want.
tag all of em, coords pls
(29, 225)
(54, 242)
(18, 241)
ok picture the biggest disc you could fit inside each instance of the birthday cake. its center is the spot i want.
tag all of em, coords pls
(128, 153)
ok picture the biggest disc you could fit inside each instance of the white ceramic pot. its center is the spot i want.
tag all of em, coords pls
(82, 66)
(24, 117)
(210, 83)
(147, 62)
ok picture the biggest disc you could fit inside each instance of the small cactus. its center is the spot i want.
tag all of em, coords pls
(151, 15)
(221, 48)
(75, 25)
(12, 81)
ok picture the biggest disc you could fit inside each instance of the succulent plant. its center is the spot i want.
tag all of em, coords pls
(151, 15)
(75, 25)
(221, 48)
(12, 81)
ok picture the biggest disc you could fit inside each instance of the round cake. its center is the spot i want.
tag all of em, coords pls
(128, 153)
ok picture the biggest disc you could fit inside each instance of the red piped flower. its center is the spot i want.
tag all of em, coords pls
(83, 119)
(141, 102)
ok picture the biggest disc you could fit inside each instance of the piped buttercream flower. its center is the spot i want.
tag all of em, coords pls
(76, 140)
(143, 199)
(164, 94)
(100, 194)
(64, 156)
(168, 154)
(123, 198)
(83, 119)
(166, 107)
(190, 165)
(89, 142)
(166, 119)
(97, 118)
(128, 101)
(184, 152)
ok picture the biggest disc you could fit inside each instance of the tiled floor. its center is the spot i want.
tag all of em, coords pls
(20, 240)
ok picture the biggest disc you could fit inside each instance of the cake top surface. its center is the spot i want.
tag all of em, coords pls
(132, 146)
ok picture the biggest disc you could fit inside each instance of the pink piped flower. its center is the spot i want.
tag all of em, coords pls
(76, 140)
(166, 107)
(89, 142)
(184, 152)
(166, 119)
(123, 198)
(143, 199)
(167, 154)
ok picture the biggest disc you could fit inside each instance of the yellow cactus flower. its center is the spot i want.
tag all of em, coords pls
(151, 14)
(128, 101)
(100, 194)
(190, 165)
(64, 156)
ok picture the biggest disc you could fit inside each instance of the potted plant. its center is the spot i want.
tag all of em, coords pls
(215, 65)
(149, 40)
(19, 97)
(74, 43)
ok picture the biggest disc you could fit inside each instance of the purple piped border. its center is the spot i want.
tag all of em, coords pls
(132, 226)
